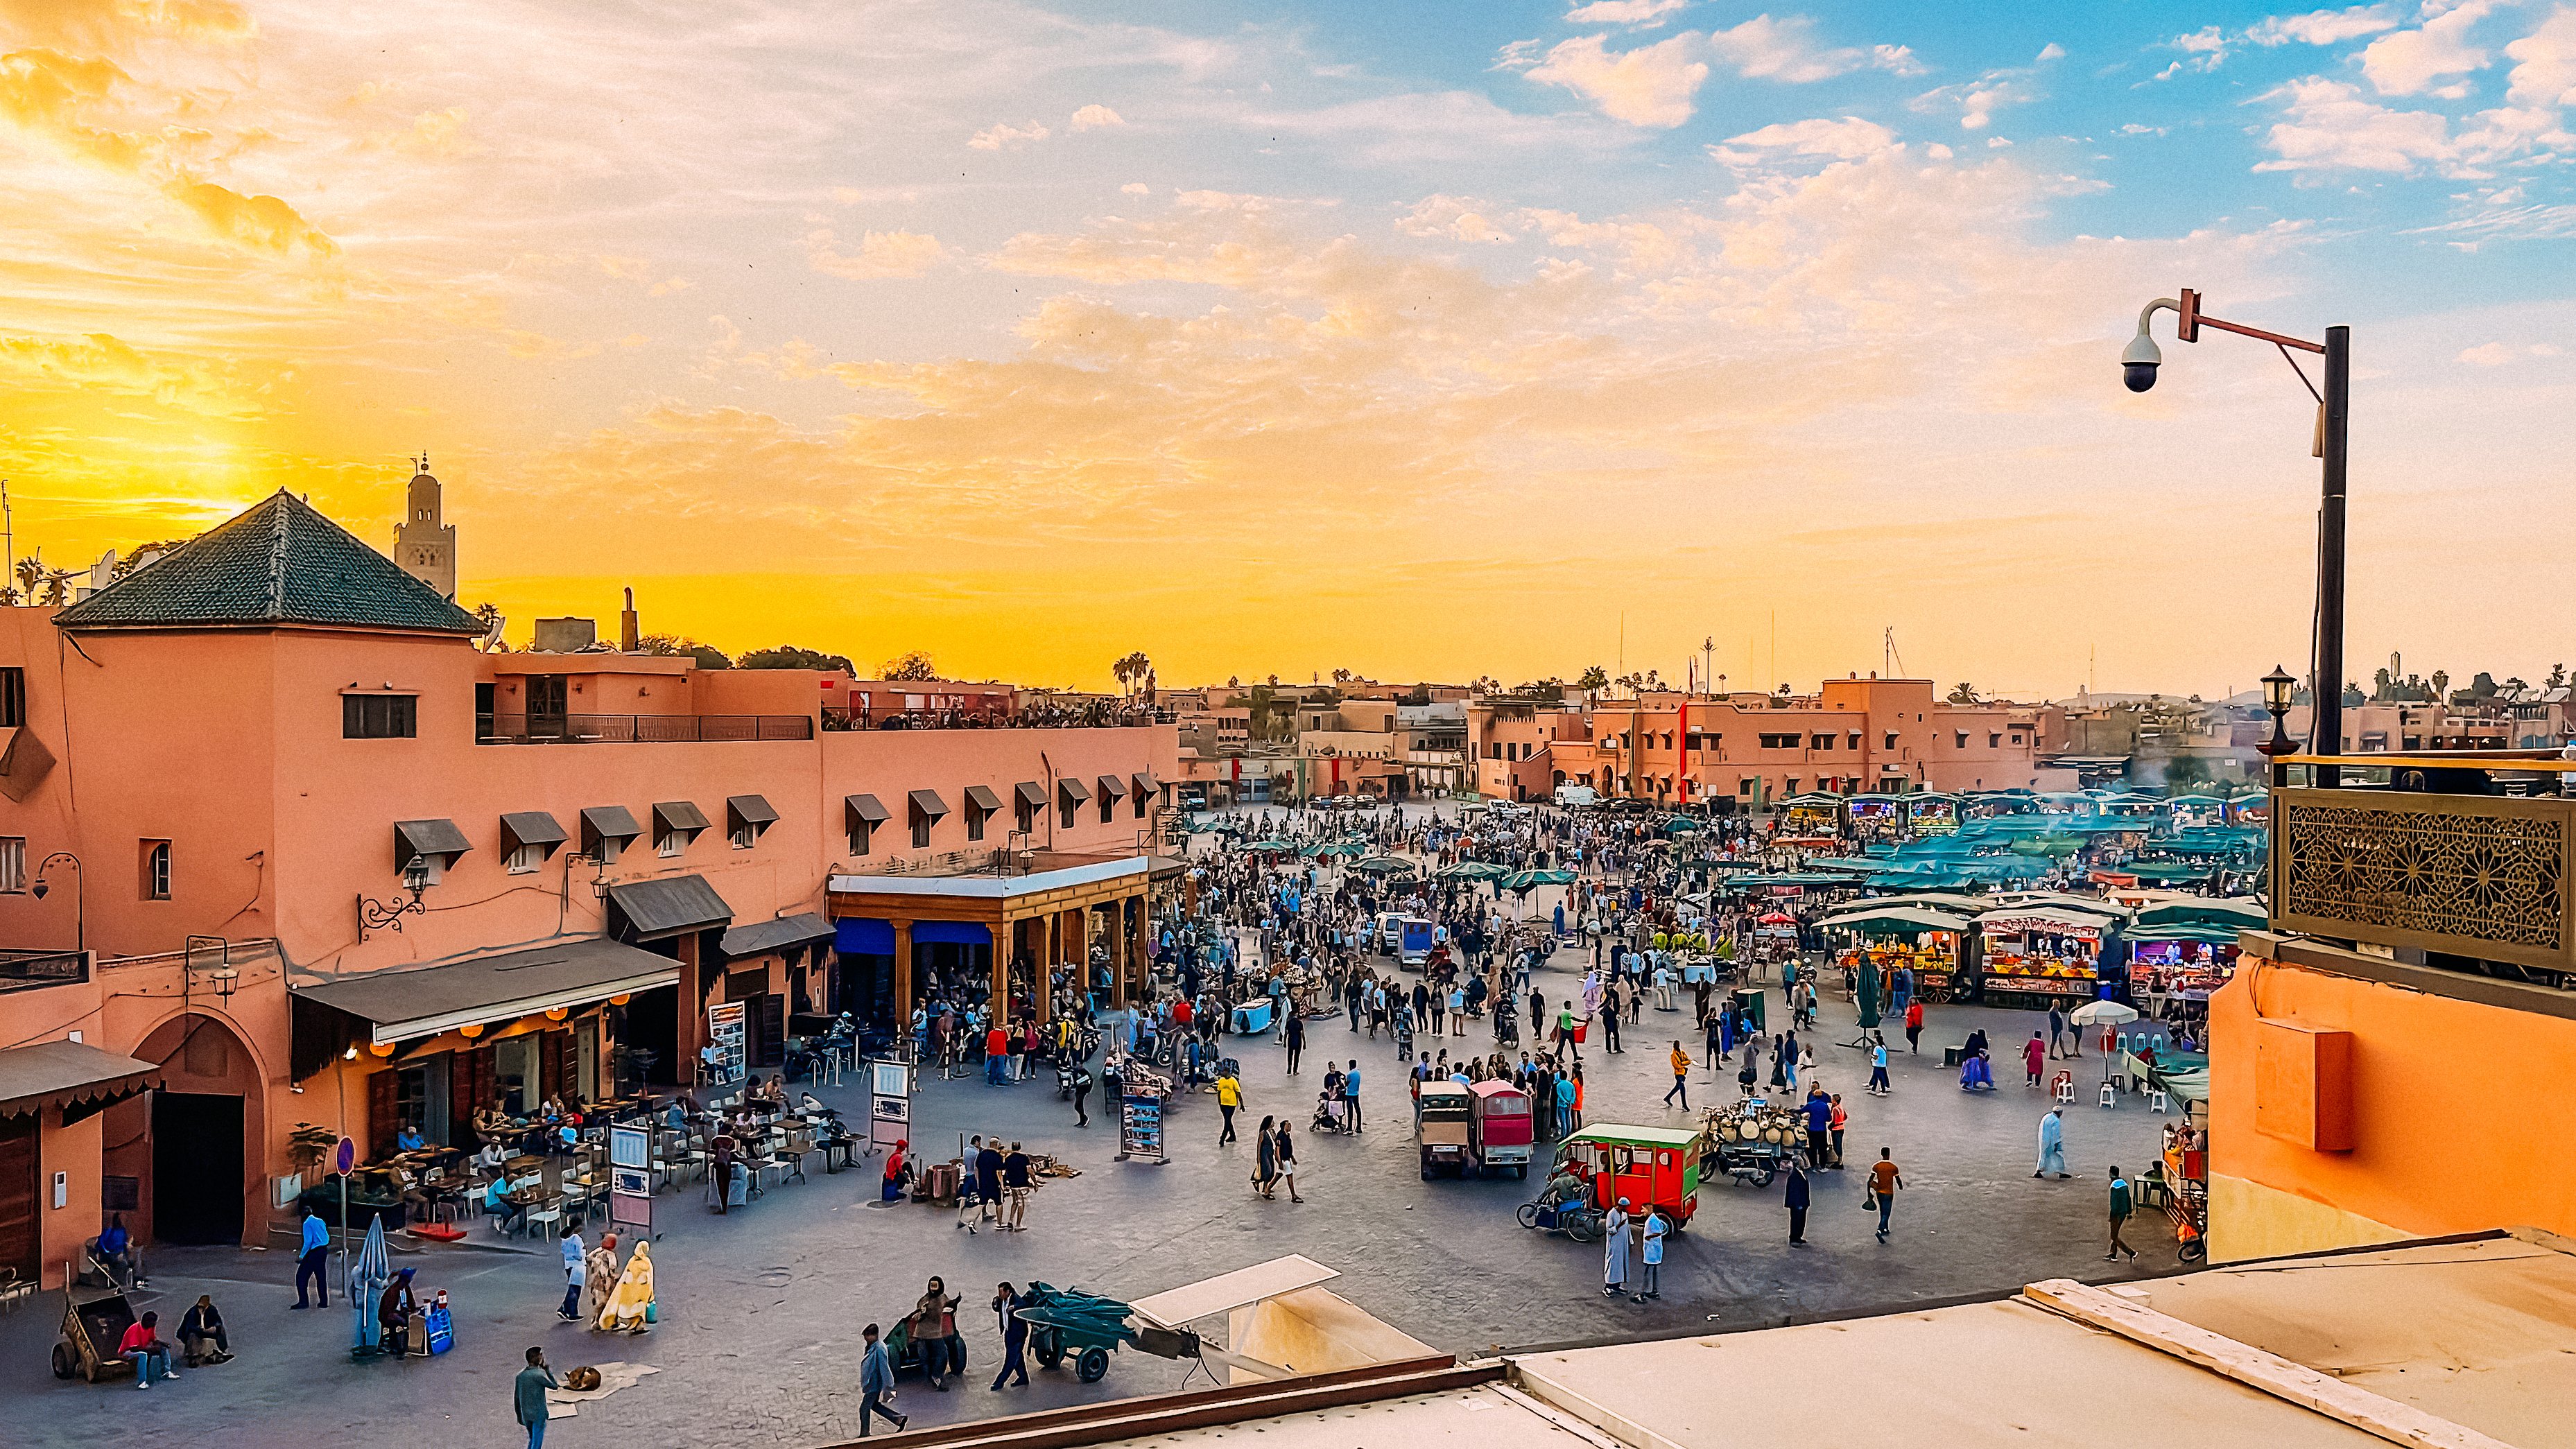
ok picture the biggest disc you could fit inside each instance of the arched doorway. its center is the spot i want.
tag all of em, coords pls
(195, 1144)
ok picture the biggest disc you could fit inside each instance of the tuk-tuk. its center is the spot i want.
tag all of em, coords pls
(1446, 1125)
(1652, 1167)
(1498, 1127)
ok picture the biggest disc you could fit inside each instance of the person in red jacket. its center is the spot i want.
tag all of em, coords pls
(2034, 1056)
(142, 1344)
(997, 1054)
(1914, 1026)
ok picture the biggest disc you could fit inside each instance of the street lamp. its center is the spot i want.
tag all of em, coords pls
(375, 915)
(2277, 688)
(80, 893)
(2138, 364)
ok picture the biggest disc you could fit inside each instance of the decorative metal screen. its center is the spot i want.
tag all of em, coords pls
(2459, 873)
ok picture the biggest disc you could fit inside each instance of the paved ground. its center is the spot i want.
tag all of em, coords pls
(761, 1309)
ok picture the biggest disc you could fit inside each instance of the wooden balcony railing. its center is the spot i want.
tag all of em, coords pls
(2482, 876)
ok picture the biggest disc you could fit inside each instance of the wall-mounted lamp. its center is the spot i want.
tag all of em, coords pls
(557, 1013)
(617, 1001)
(470, 1030)
(380, 1048)
(351, 1054)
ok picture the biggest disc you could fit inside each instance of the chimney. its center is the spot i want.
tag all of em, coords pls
(628, 640)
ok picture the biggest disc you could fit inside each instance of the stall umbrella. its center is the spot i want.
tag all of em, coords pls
(2103, 1013)
(367, 1279)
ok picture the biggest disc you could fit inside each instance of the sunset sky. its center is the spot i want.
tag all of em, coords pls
(1418, 339)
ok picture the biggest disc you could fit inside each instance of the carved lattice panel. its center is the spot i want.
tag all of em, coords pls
(2466, 875)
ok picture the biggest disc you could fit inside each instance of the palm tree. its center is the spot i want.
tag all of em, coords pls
(1131, 669)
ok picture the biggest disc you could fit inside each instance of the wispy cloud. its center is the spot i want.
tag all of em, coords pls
(1652, 85)
(1005, 136)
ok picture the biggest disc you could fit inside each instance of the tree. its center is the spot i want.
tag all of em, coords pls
(1131, 669)
(1593, 679)
(1963, 693)
(789, 656)
(2483, 686)
(676, 645)
(912, 664)
(2557, 677)
(1341, 676)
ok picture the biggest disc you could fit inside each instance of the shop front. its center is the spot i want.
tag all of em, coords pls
(2038, 958)
(52, 1095)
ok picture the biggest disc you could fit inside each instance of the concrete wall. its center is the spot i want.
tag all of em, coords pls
(2459, 1112)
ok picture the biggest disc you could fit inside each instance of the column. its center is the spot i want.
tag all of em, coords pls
(1000, 951)
(1077, 944)
(1142, 949)
(1044, 969)
(902, 980)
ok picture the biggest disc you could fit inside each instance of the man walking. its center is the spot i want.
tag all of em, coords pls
(1820, 1124)
(308, 1263)
(876, 1382)
(2120, 1205)
(1007, 1303)
(968, 1211)
(1877, 1065)
(1296, 1035)
(1884, 1180)
(1914, 1027)
(1681, 1078)
(1016, 1187)
(2056, 1030)
(1797, 1198)
(1229, 1096)
(1351, 1095)
(2052, 1145)
(528, 1396)
(988, 1183)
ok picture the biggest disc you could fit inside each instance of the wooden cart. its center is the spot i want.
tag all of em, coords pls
(91, 1332)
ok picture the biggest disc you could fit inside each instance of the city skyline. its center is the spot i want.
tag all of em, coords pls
(1324, 335)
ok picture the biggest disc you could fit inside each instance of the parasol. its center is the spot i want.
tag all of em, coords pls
(1867, 975)
(1384, 865)
(368, 1275)
(1532, 879)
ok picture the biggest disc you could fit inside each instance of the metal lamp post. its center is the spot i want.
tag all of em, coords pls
(80, 893)
(2277, 688)
(2138, 364)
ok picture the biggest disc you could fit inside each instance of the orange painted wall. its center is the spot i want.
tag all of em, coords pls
(2461, 1114)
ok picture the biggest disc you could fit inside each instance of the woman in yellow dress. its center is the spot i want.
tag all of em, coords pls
(625, 1310)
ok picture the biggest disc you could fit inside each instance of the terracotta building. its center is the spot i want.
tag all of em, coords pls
(312, 856)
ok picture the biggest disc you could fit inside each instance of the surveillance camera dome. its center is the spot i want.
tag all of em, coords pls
(2138, 361)
(2138, 375)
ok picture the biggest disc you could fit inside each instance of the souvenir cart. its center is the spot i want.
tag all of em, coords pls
(2034, 956)
(1751, 1139)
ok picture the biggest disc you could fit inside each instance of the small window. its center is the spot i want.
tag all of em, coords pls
(524, 859)
(156, 870)
(13, 863)
(862, 835)
(1069, 813)
(379, 716)
(1963, 739)
(1144, 803)
(1026, 817)
(744, 836)
(921, 830)
(975, 821)
(1108, 809)
(1891, 739)
(13, 697)
(671, 844)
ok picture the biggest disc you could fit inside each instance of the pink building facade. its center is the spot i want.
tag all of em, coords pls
(319, 859)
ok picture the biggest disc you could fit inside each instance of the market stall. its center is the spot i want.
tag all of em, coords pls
(2036, 954)
(1812, 818)
(1883, 940)
(1932, 813)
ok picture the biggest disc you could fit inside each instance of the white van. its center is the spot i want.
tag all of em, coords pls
(1572, 795)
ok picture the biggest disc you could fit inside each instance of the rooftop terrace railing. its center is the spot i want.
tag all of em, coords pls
(2438, 860)
(629, 729)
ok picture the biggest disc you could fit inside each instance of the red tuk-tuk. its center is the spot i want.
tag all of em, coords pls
(1652, 1167)
(1499, 1128)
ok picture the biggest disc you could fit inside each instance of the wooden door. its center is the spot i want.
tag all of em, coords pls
(21, 1236)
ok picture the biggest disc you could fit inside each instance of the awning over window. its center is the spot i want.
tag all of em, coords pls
(866, 812)
(777, 935)
(1031, 793)
(1112, 788)
(678, 817)
(398, 1005)
(670, 906)
(1073, 791)
(748, 812)
(983, 798)
(928, 804)
(1147, 787)
(607, 829)
(531, 827)
(431, 840)
(75, 1076)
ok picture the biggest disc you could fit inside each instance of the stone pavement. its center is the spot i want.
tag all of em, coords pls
(761, 1310)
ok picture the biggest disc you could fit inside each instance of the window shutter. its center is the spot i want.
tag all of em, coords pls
(380, 1115)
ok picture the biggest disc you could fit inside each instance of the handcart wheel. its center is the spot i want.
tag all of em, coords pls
(65, 1366)
(1582, 1227)
(1093, 1363)
(1528, 1213)
(1050, 1349)
(2195, 1250)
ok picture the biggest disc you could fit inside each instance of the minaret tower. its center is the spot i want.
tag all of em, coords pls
(424, 545)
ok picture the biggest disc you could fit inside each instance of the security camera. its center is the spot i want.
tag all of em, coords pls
(2138, 362)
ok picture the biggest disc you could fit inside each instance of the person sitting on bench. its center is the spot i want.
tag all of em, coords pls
(115, 1248)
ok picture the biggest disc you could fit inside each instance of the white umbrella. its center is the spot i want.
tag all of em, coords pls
(2102, 1013)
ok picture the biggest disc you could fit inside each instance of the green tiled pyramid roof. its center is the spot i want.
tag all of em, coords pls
(278, 563)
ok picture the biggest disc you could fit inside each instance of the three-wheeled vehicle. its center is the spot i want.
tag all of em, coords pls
(1414, 938)
(91, 1332)
(1652, 1167)
(1447, 1123)
(1498, 1127)
(1751, 1140)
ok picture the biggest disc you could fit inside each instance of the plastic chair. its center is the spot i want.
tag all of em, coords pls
(550, 1216)
(2156, 1099)
(2062, 1087)
(2110, 1095)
